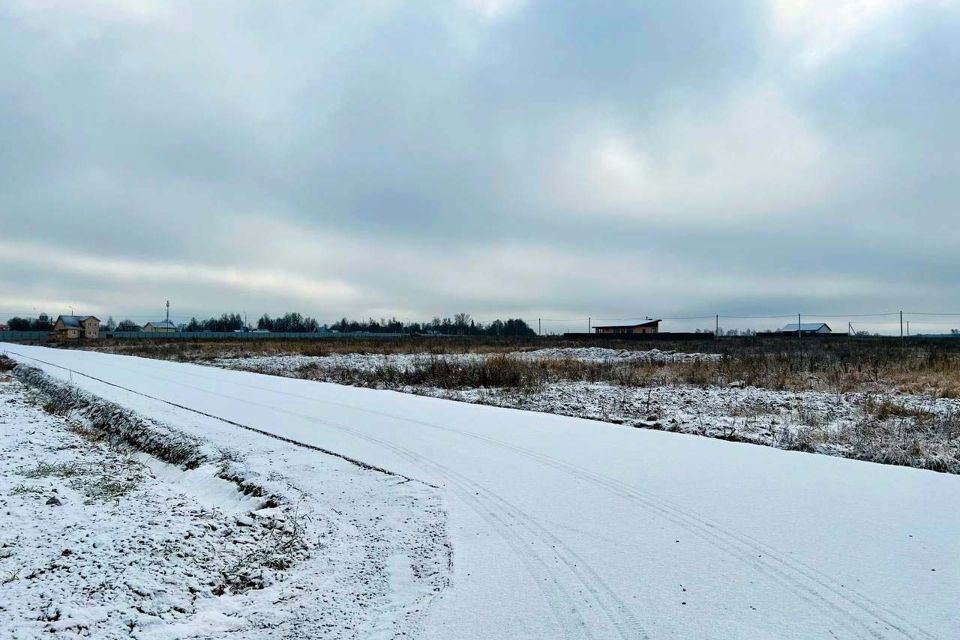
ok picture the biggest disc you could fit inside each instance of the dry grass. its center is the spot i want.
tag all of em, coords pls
(96, 482)
(499, 370)
(928, 369)
(769, 372)
(189, 350)
(917, 439)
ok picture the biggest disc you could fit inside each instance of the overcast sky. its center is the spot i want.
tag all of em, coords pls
(500, 157)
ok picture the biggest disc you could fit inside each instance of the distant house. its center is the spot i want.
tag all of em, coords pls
(164, 326)
(650, 326)
(128, 325)
(76, 327)
(807, 327)
(4, 327)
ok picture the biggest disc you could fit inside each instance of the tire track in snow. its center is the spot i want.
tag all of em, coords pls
(705, 528)
(737, 545)
(744, 548)
(604, 596)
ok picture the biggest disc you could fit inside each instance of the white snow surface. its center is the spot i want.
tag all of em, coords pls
(568, 528)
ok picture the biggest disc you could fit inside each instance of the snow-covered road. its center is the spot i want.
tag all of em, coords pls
(568, 528)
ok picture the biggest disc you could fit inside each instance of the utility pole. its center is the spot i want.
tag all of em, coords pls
(716, 333)
(539, 326)
(901, 324)
(168, 311)
(908, 328)
(799, 328)
(589, 324)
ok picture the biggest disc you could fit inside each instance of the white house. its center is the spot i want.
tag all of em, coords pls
(164, 326)
(807, 327)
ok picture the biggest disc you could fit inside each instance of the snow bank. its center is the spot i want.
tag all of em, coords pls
(120, 425)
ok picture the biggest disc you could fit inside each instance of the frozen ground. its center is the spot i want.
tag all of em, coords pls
(568, 528)
(910, 430)
(109, 542)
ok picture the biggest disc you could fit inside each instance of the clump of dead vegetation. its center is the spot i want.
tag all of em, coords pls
(886, 432)
(497, 371)
(97, 482)
(281, 543)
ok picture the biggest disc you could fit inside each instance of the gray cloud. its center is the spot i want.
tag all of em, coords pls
(606, 159)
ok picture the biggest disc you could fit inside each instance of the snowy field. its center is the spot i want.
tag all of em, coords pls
(107, 542)
(894, 428)
(559, 527)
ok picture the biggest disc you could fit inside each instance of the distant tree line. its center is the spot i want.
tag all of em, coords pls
(226, 322)
(41, 323)
(288, 323)
(460, 325)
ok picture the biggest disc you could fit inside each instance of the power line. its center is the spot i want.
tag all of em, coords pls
(690, 317)
(584, 319)
(850, 315)
(791, 316)
(927, 313)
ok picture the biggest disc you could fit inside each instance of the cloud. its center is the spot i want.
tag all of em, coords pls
(823, 29)
(499, 157)
(129, 274)
(752, 157)
(494, 9)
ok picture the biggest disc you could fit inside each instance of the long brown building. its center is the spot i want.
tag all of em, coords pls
(650, 326)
